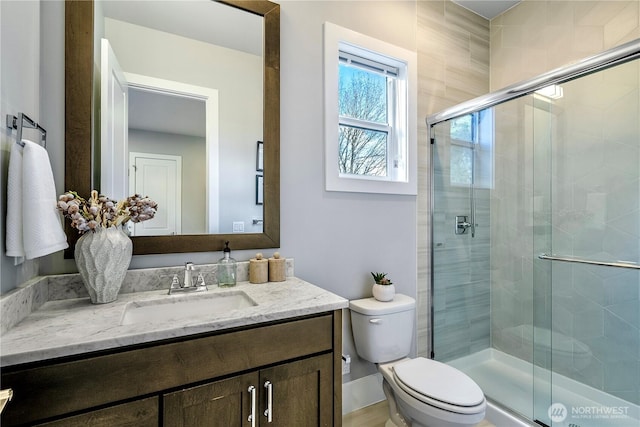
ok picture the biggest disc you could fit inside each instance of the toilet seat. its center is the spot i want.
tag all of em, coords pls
(439, 385)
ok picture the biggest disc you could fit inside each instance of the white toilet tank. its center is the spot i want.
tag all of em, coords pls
(383, 331)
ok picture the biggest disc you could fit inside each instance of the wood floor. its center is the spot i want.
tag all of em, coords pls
(371, 416)
(376, 416)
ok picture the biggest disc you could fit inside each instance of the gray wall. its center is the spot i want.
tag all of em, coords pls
(23, 91)
(335, 238)
(338, 238)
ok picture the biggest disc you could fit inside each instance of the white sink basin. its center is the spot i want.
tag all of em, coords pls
(183, 307)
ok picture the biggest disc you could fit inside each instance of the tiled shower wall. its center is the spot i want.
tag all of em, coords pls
(568, 183)
(453, 66)
(539, 35)
(594, 163)
(455, 60)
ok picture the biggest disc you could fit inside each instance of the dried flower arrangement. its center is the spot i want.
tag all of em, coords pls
(101, 212)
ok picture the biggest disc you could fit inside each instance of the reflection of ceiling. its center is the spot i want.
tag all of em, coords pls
(203, 20)
(159, 112)
(487, 8)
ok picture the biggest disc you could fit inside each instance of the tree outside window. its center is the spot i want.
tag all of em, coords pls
(364, 122)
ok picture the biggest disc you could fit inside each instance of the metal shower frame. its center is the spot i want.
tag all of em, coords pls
(609, 58)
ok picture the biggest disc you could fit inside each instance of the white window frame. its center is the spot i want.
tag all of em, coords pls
(338, 39)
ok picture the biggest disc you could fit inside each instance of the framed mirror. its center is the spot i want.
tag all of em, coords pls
(83, 142)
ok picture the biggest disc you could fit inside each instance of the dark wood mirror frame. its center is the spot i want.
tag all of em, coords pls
(79, 67)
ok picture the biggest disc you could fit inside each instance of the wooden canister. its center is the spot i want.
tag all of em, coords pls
(277, 268)
(258, 269)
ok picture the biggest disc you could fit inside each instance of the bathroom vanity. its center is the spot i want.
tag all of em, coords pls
(277, 362)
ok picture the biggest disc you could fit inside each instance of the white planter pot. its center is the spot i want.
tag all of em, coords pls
(103, 258)
(384, 292)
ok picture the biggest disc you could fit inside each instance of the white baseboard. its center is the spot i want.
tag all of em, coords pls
(362, 392)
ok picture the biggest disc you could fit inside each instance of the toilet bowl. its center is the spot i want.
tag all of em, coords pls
(421, 392)
(429, 393)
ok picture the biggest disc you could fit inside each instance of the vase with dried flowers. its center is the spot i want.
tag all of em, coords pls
(103, 251)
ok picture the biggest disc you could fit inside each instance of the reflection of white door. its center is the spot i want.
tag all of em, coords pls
(159, 177)
(210, 97)
(114, 128)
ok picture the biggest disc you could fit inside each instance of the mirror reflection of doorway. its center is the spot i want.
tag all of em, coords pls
(160, 175)
(171, 118)
(166, 118)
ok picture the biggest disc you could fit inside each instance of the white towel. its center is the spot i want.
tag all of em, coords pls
(34, 228)
(14, 203)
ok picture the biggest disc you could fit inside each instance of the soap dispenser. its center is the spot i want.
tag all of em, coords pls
(226, 273)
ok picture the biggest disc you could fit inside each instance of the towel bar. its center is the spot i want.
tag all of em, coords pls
(619, 264)
(23, 121)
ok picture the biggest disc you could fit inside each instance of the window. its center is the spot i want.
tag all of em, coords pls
(471, 149)
(369, 114)
(366, 94)
(465, 128)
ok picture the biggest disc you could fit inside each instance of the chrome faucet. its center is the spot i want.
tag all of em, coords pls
(189, 284)
(188, 275)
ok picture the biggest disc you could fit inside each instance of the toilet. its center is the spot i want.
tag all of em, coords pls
(421, 392)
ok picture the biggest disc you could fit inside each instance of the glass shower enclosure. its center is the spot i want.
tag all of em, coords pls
(536, 243)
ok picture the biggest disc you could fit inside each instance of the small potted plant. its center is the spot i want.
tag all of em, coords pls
(383, 288)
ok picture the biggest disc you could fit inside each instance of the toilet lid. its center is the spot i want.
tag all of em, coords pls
(439, 382)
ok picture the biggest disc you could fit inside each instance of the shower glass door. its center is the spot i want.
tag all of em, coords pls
(536, 249)
(483, 230)
(491, 317)
(460, 244)
(594, 215)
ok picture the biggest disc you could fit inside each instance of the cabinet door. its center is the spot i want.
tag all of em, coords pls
(225, 403)
(140, 413)
(302, 393)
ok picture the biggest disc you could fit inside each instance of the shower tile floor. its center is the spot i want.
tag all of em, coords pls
(506, 379)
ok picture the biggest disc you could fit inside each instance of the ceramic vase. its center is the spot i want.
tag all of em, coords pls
(103, 258)
(384, 292)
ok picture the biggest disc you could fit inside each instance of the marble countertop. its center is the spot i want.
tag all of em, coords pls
(75, 326)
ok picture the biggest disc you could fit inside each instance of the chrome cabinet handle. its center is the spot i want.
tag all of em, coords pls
(269, 411)
(252, 415)
(5, 396)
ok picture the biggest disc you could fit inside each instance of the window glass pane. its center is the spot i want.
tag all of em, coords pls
(362, 151)
(472, 149)
(362, 94)
(461, 166)
(462, 128)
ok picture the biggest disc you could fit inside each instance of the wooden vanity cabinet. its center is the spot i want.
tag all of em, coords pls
(301, 395)
(197, 381)
(139, 413)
